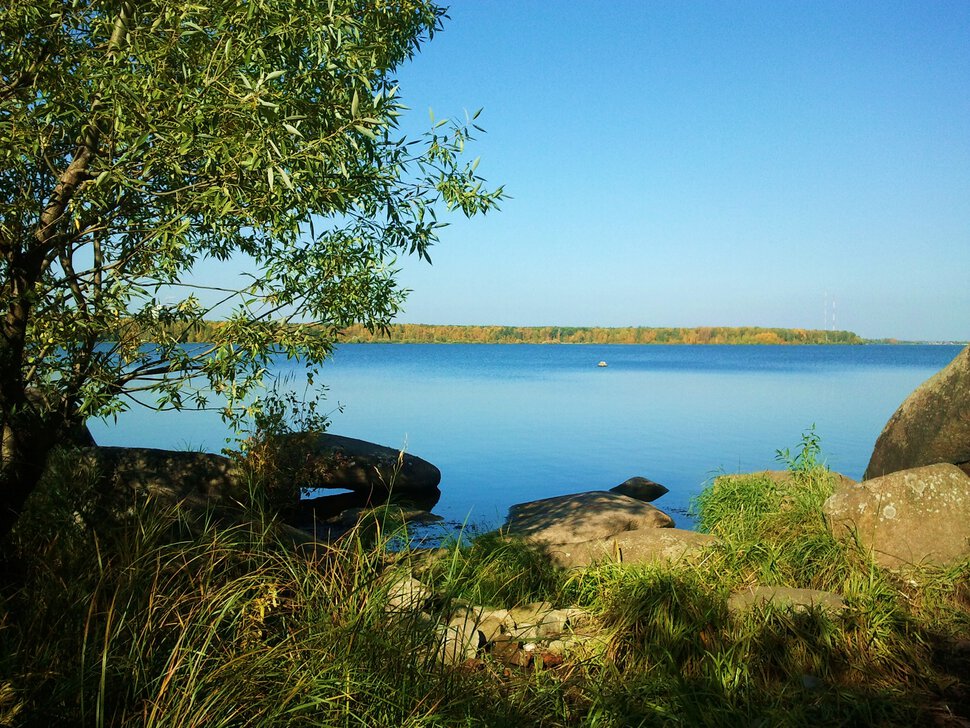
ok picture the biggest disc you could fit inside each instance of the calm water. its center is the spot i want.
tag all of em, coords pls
(507, 423)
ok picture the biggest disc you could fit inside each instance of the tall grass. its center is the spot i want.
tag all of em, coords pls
(495, 570)
(163, 618)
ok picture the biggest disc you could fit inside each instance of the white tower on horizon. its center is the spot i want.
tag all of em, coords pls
(828, 312)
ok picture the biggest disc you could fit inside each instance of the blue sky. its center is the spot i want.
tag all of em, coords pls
(695, 163)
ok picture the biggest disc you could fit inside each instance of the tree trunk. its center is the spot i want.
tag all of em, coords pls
(26, 445)
(19, 419)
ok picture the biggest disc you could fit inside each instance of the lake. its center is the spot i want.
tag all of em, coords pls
(509, 423)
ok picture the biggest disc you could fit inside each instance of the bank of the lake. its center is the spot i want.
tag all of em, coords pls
(203, 331)
(734, 335)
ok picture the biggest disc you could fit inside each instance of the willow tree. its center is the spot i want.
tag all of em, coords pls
(140, 139)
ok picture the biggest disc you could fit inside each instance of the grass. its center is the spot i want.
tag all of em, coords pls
(159, 619)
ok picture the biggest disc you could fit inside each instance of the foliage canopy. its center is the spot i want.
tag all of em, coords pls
(140, 140)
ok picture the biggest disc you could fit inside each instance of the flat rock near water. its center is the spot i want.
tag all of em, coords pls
(582, 517)
(358, 465)
(197, 479)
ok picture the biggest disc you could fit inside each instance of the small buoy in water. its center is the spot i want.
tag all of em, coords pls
(601, 364)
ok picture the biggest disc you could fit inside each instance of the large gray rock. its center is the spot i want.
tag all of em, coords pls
(642, 546)
(912, 516)
(189, 479)
(334, 461)
(582, 517)
(931, 426)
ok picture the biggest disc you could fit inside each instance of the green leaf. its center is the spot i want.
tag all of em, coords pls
(285, 177)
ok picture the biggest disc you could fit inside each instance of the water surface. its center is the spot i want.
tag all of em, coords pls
(508, 423)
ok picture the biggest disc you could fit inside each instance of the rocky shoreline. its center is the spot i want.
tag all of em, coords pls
(916, 512)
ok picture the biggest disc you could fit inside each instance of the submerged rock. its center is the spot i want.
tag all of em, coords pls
(346, 509)
(642, 489)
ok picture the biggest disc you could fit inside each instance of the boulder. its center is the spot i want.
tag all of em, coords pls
(334, 461)
(640, 488)
(455, 644)
(582, 517)
(642, 546)
(190, 479)
(796, 600)
(535, 622)
(931, 426)
(407, 594)
(921, 515)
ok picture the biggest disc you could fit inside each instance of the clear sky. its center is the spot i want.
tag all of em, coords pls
(706, 163)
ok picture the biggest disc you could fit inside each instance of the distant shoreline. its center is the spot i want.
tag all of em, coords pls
(207, 331)
(745, 335)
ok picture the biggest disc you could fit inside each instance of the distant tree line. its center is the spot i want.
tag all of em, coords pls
(207, 331)
(424, 333)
